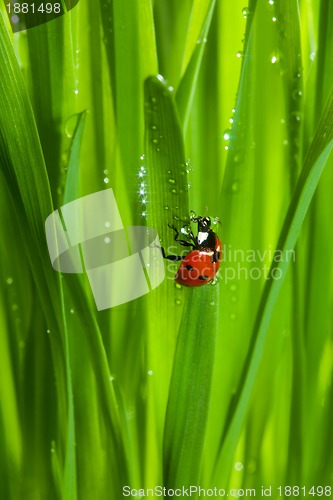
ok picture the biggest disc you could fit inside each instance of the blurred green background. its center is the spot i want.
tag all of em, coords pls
(227, 385)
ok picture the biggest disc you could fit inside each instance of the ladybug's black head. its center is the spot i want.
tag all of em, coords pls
(203, 224)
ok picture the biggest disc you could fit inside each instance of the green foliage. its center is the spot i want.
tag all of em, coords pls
(226, 385)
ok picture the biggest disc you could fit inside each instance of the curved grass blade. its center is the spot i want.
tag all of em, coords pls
(187, 86)
(73, 174)
(199, 14)
(314, 165)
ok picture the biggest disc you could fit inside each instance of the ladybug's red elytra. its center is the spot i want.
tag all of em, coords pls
(201, 264)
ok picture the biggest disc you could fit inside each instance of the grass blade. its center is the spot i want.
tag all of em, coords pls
(314, 165)
(189, 395)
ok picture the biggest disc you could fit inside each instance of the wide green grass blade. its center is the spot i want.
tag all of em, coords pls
(315, 162)
(188, 403)
(166, 187)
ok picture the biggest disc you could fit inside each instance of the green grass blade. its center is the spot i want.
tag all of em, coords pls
(166, 185)
(189, 395)
(314, 165)
(187, 86)
(164, 157)
(73, 170)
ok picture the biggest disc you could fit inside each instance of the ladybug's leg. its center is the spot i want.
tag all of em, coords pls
(169, 257)
(184, 243)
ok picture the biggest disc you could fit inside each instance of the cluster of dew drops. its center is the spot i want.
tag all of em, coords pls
(275, 59)
(143, 188)
(14, 306)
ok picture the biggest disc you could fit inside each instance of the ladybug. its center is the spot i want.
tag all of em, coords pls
(201, 264)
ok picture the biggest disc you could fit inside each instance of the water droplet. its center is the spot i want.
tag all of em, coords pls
(52, 450)
(106, 180)
(297, 94)
(171, 181)
(275, 58)
(296, 117)
(76, 91)
(48, 331)
(142, 157)
(71, 311)
(251, 466)
(153, 127)
(144, 215)
(178, 286)
(186, 230)
(153, 100)
(239, 466)
(70, 125)
(212, 303)
(107, 224)
(107, 240)
(271, 2)
(150, 372)
(189, 186)
(170, 88)
(166, 207)
(15, 19)
(283, 120)
(155, 141)
(285, 142)
(235, 186)
(173, 191)
(226, 135)
(178, 302)
(232, 316)
(231, 120)
(9, 281)
(160, 78)
(240, 54)
(312, 56)
(274, 19)
(226, 148)
(105, 171)
(245, 12)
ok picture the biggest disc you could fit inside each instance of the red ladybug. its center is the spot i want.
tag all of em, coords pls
(200, 265)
